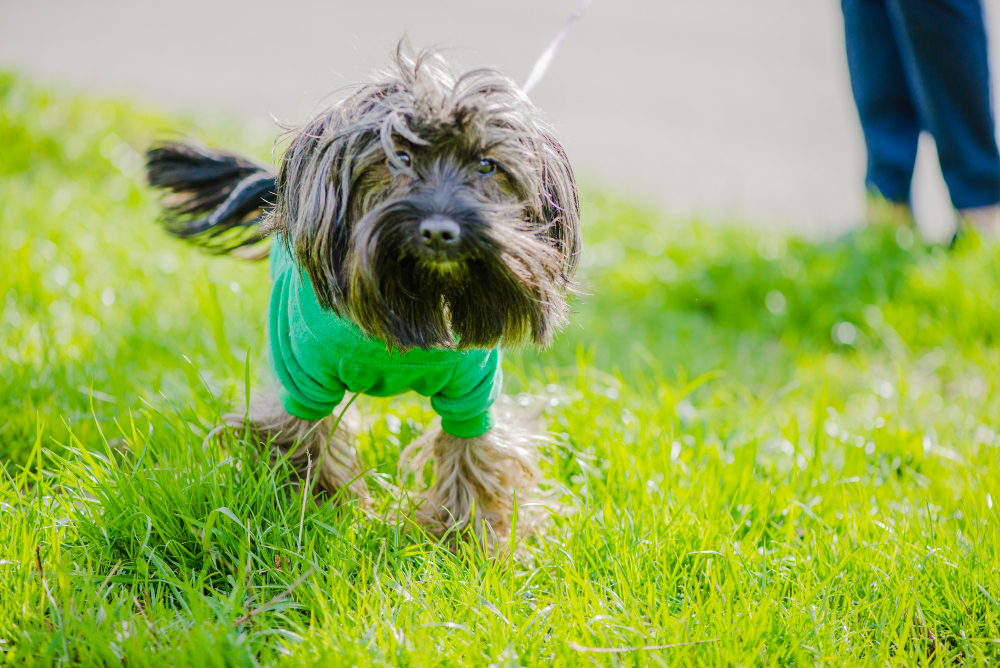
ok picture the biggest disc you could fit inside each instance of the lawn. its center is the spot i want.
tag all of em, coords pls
(770, 451)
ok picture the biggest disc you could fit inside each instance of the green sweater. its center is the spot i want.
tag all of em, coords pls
(318, 356)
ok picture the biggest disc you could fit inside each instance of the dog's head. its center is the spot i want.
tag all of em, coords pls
(434, 210)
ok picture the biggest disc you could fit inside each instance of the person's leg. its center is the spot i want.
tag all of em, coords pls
(944, 51)
(985, 218)
(888, 114)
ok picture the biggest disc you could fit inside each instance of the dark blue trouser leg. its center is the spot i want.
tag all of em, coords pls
(889, 117)
(944, 49)
(938, 80)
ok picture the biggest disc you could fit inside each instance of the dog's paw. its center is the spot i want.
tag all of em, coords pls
(321, 452)
(478, 482)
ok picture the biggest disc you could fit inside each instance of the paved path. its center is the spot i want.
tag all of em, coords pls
(724, 108)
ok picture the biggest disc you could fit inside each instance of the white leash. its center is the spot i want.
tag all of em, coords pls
(549, 54)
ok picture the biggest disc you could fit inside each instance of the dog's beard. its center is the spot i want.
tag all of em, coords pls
(505, 286)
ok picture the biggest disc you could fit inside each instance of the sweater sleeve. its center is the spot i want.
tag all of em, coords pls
(307, 391)
(465, 403)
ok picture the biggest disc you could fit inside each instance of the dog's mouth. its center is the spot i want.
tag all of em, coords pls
(439, 261)
(443, 265)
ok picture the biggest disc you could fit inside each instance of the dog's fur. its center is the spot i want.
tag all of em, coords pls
(352, 189)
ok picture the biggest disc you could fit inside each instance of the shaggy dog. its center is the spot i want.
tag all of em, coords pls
(415, 228)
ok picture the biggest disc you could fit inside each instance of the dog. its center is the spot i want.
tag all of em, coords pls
(415, 228)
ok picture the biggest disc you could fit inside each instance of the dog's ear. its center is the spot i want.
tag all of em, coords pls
(312, 214)
(553, 206)
(560, 205)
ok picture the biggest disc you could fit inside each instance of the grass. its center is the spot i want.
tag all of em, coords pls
(778, 452)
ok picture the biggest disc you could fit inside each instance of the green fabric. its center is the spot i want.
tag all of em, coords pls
(319, 356)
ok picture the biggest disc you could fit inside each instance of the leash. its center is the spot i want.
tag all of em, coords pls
(549, 54)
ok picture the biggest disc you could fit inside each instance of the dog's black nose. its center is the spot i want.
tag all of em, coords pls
(439, 233)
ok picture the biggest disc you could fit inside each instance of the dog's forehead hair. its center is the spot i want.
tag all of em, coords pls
(419, 102)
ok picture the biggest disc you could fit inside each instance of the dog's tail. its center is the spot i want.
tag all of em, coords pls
(215, 200)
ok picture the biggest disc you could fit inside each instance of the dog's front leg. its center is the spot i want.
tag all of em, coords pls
(476, 480)
(313, 447)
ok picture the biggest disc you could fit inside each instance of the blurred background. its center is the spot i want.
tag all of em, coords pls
(724, 109)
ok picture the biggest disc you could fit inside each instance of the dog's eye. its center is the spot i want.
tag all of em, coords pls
(401, 156)
(487, 167)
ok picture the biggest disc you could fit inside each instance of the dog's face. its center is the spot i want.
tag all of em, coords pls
(434, 211)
